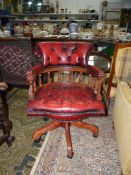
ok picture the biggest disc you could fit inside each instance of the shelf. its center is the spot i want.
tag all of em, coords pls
(58, 17)
(57, 14)
(6, 16)
(81, 18)
(52, 20)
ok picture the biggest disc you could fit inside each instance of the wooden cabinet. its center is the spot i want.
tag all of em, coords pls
(125, 19)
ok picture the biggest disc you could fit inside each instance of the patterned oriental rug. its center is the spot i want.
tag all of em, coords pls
(19, 158)
(92, 156)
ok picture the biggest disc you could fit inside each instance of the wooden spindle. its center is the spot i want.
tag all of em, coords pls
(34, 85)
(40, 80)
(80, 77)
(99, 97)
(31, 94)
(49, 79)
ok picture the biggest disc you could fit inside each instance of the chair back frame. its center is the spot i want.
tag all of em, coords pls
(76, 65)
(118, 46)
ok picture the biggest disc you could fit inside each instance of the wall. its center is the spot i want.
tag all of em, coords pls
(127, 4)
(73, 6)
(115, 4)
(1, 4)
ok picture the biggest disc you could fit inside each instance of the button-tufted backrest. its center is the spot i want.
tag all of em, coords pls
(64, 53)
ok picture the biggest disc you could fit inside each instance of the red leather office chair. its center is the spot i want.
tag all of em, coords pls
(64, 100)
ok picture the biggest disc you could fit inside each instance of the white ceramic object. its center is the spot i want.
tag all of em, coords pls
(44, 33)
(123, 36)
(100, 26)
(27, 29)
(6, 33)
(64, 31)
(115, 27)
(1, 33)
(74, 27)
(74, 35)
(88, 35)
(36, 31)
(19, 29)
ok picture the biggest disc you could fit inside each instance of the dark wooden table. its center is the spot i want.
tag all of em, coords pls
(5, 123)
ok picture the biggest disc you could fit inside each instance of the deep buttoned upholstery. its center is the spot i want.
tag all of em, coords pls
(59, 53)
(76, 100)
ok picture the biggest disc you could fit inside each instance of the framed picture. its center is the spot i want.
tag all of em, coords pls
(113, 15)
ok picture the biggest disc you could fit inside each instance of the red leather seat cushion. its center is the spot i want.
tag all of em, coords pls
(65, 98)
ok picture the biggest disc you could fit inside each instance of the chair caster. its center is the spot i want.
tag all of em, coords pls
(37, 140)
(46, 119)
(95, 135)
(70, 155)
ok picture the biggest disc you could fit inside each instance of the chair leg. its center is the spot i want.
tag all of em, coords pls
(53, 125)
(80, 124)
(49, 127)
(122, 173)
(68, 140)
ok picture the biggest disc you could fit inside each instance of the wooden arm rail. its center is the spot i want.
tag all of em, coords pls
(92, 76)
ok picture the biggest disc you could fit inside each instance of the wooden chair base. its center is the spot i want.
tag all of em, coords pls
(66, 125)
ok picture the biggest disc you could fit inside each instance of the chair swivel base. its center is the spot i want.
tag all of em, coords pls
(66, 125)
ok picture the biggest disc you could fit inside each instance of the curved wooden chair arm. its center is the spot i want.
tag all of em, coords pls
(31, 78)
(35, 70)
(102, 55)
(95, 71)
(3, 86)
